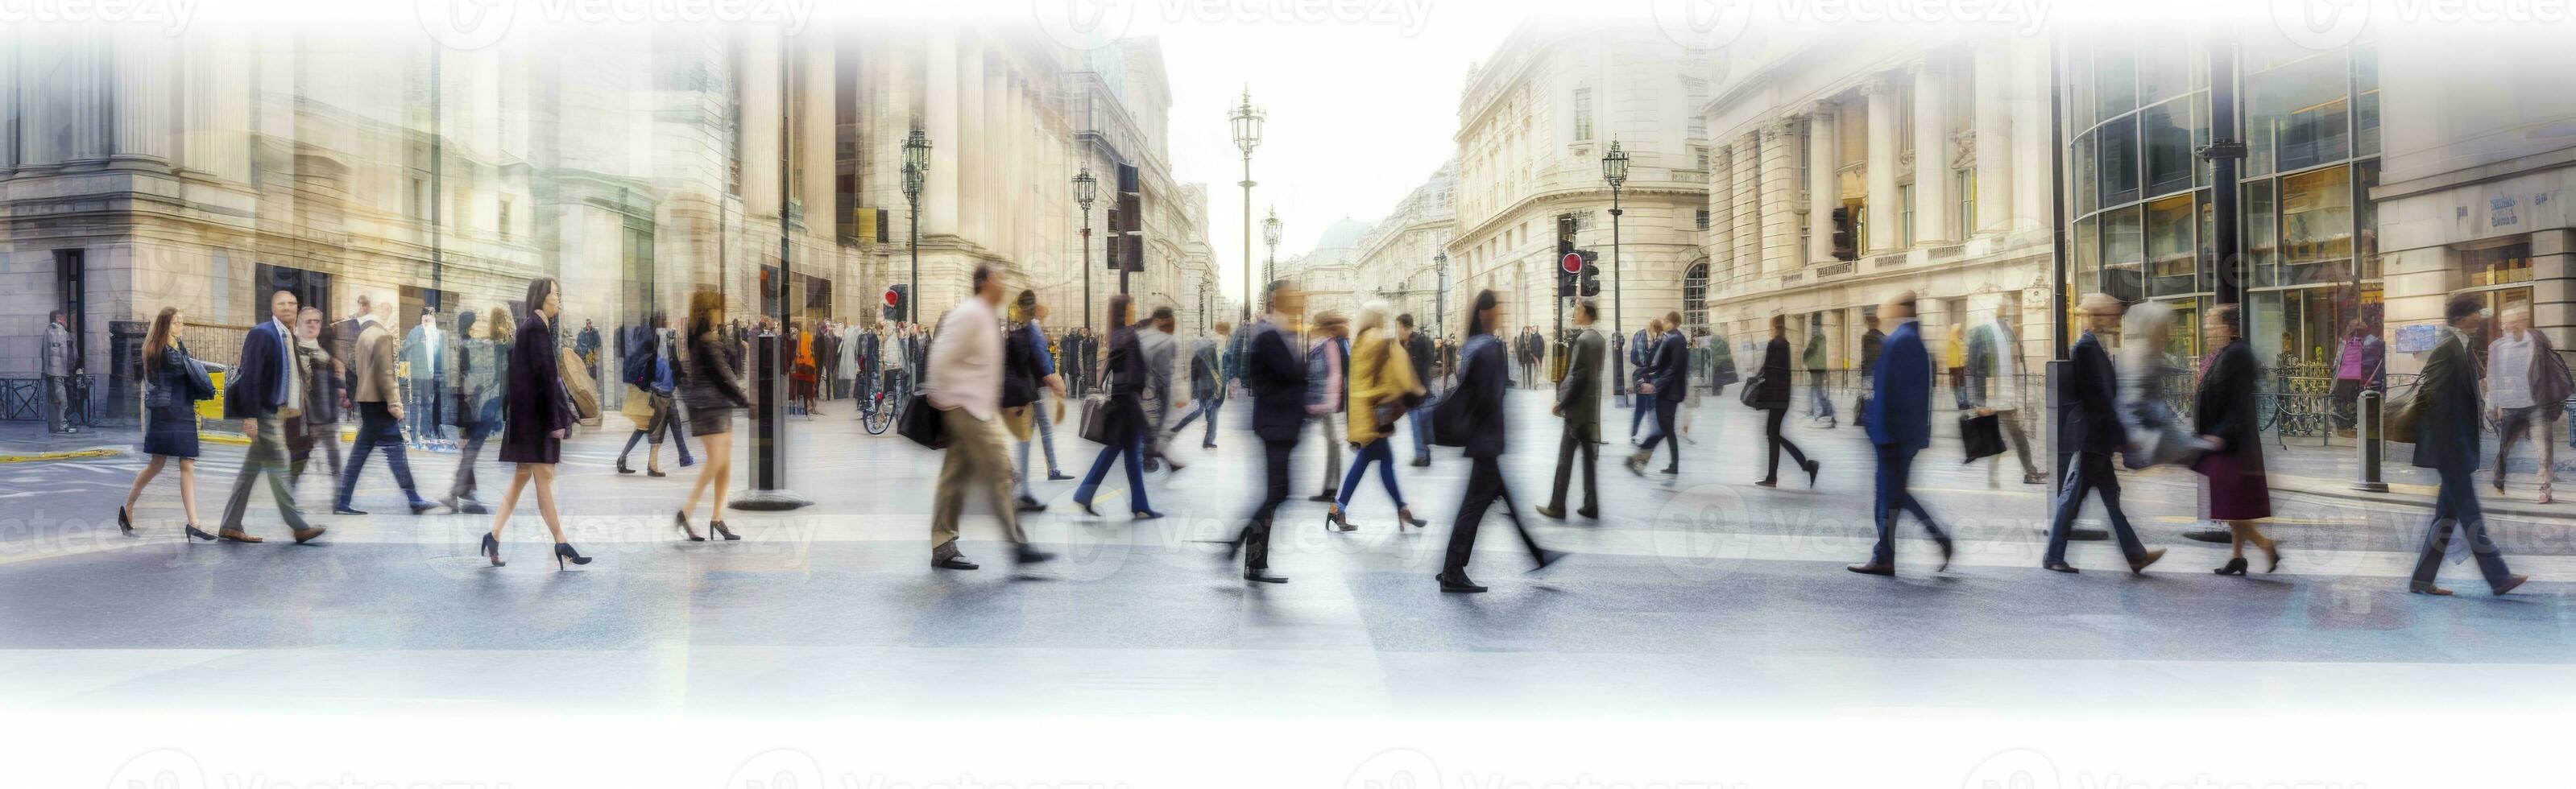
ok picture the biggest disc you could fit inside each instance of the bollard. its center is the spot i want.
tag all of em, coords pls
(2366, 440)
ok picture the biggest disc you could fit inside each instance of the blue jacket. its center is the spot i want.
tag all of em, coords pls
(1669, 368)
(1900, 397)
(1277, 379)
(257, 388)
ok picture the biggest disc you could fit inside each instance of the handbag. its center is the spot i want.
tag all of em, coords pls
(577, 389)
(1095, 418)
(1982, 435)
(201, 386)
(2405, 411)
(920, 423)
(1751, 396)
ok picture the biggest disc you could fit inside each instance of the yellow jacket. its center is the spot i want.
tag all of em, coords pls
(1380, 372)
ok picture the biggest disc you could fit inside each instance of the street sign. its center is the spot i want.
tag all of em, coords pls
(1572, 263)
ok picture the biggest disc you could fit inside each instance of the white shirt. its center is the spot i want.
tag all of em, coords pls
(2509, 372)
(966, 361)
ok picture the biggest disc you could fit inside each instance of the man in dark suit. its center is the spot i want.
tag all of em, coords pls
(1417, 347)
(1276, 376)
(1899, 419)
(2094, 424)
(1662, 384)
(1641, 350)
(1578, 400)
(2445, 413)
(264, 392)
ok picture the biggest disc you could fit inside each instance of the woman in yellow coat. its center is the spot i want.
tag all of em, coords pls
(1382, 386)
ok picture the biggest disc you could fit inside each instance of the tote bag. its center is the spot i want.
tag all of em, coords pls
(1982, 435)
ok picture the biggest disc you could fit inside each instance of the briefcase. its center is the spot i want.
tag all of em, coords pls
(1982, 435)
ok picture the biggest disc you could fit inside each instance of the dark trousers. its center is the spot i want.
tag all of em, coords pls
(1771, 433)
(1134, 452)
(377, 429)
(1819, 397)
(1484, 485)
(2091, 473)
(2457, 502)
(472, 450)
(1576, 439)
(1636, 417)
(1663, 430)
(1256, 534)
(1381, 453)
(423, 405)
(1895, 474)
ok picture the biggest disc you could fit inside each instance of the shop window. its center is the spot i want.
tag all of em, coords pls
(2123, 253)
(2365, 100)
(2301, 115)
(2497, 265)
(2316, 217)
(2115, 77)
(2173, 261)
(2164, 70)
(2261, 230)
(2169, 156)
(2119, 161)
(2087, 171)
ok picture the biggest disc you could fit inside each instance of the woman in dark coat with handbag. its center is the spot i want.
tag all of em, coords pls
(2235, 491)
(169, 419)
(1769, 391)
(1122, 421)
(1471, 416)
(713, 392)
(536, 412)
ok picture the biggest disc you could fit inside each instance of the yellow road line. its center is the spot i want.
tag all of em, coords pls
(71, 455)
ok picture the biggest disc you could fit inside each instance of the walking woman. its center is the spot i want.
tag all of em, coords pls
(324, 395)
(536, 412)
(713, 392)
(1123, 431)
(2235, 490)
(1771, 394)
(1027, 369)
(648, 406)
(478, 374)
(170, 419)
(1474, 412)
(1383, 387)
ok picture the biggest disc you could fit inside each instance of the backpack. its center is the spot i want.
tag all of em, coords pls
(639, 364)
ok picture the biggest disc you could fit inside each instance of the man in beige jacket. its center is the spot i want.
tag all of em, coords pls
(380, 412)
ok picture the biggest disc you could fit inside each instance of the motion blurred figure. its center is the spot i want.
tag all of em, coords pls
(1475, 415)
(1276, 377)
(2445, 416)
(1899, 421)
(1578, 401)
(2093, 422)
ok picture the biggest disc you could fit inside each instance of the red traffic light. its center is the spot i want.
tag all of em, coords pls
(1572, 263)
(892, 298)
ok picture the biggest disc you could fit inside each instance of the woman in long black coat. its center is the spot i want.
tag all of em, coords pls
(1474, 410)
(1123, 426)
(169, 419)
(537, 412)
(2223, 414)
(1771, 394)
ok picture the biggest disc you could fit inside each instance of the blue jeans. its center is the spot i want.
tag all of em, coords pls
(1895, 473)
(1207, 408)
(1380, 453)
(1421, 420)
(1134, 451)
(1046, 436)
(1822, 401)
(377, 429)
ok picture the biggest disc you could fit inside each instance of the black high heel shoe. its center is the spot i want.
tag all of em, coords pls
(2234, 566)
(1405, 514)
(563, 551)
(198, 533)
(1333, 517)
(124, 522)
(492, 548)
(2273, 553)
(720, 530)
(683, 519)
(1086, 508)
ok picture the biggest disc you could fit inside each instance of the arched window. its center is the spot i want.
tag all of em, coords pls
(1695, 298)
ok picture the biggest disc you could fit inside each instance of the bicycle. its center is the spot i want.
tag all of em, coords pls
(879, 410)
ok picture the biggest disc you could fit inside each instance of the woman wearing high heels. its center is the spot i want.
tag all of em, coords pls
(2236, 492)
(1382, 387)
(1124, 427)
(536, 413)
(713, 393)
(170, 420)
(1474, 411)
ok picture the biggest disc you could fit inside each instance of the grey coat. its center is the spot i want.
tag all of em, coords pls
(1579, 393)
(57, 354)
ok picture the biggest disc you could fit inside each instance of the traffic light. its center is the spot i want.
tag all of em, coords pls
(897, 299)
(1564, 247)
(1846, 242)
(1591, 284)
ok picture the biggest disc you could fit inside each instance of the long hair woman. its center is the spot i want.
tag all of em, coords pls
(2235, 490)
(1125, 427)
(536, 412)
(713, 392)
(1382, 387)
(1475, 410)
(1771, 394)
(169, 420)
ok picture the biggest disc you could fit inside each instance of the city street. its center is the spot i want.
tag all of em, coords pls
(833, 609)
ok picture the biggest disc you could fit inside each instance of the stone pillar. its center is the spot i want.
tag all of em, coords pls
(968, 143)
(1746, 231)
(1995, 138)
(12, 47)
(1883, 215)
(2030, 176)
(1779, 196)
(761, 95)
(817, 139)
(995, 135)
(1716, 240)
(1932, 146)
(1823, 183)
(940, 119)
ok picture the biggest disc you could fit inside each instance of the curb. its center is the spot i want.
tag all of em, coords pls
(74, 454)
(2421, 497)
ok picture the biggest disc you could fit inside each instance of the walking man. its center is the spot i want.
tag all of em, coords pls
(2526, 382)
(380, 417)
(263, 392)
(1160, 347)
(1276, 377)
(1207, 383)
(2094, 424)
(1820, 401)
(424, 353)
(1994, 385)
(1417, 345)
(1662, 384)
(59, 367)
(1641, 349)
(1578, 401)
(1899, 421)
(2445, 416)
(965, 384)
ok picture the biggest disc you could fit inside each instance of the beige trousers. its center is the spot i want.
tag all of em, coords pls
(976, 458)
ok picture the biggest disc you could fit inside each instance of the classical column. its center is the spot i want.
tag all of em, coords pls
(818, 139)
(1994, 138)
(2030, 177)
(1883, 235)
(1746, 164)
(993, 134)
(940, 122)
(761, 95)
(1778, 198)
(1932, 188)
(968, 141)
(1824, 186)
(12, 47)
(1717, 239)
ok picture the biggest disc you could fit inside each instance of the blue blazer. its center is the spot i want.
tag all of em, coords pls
(1900, 395)
(257, 387)
(1670, 370)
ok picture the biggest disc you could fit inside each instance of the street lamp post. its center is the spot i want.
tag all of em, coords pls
(1247, 135)
(1440, 298)
(1270, 238)
(1086, 189)
(1614, 168)
(916, 168)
